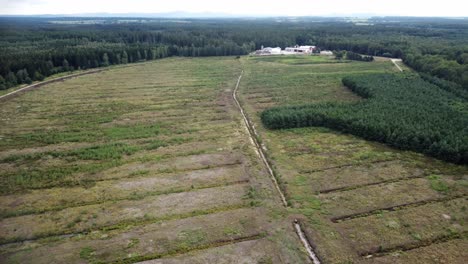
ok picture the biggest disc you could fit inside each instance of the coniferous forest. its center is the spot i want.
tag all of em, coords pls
(32, 48)
(403, 111)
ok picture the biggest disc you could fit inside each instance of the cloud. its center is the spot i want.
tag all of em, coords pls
(243, 7)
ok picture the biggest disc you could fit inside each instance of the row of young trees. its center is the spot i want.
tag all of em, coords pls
(405, 112)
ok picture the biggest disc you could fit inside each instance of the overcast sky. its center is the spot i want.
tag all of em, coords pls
(242, 7)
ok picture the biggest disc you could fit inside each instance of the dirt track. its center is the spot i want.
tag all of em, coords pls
(253, 138)
(37, 85)
(395, 62)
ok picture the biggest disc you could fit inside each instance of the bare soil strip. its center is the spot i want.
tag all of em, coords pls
(345, 165)
(250, 251)
(342, 205)
(393, 208)
(95, 217)
(218, 243)
(412, 246)
(405, 229)
(143, 242)
(347, 188)
(55, 199)
(452, 251)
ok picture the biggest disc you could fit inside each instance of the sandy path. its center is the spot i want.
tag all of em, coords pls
(395, 62)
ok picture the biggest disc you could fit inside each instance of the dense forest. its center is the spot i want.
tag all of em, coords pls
(32, 48)
(403, 111)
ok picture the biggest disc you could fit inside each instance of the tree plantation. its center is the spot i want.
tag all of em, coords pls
(403, 111)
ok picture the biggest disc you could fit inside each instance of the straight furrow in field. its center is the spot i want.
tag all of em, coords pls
(394, 208)
(348, 188)
(195, 155)
(348, 204)
(149, 241)
(407, 228)
(144, 184)
(346, 165)
(106, 215)
(205, 134)
(414, 245)
(451, 251)
(250, 251)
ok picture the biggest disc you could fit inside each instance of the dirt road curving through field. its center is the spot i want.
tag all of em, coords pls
(40, 84)
(395, 62)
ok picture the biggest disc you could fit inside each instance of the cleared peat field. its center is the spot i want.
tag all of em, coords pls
(133, 164)
(361, 201)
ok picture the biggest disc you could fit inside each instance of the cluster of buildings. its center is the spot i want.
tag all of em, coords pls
(307, 50)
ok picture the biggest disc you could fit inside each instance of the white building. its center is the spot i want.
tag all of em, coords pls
(288, 51)
(300, 49)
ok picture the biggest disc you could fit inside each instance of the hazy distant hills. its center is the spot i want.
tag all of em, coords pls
(182, 14)
(177, 14)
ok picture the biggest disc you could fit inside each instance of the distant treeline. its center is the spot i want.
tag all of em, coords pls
(33, 48)
(402, 111)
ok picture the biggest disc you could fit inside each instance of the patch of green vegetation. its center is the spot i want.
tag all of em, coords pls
(98, 152)
(49, 177)
(55, 136)
(438, 184)
(104, 152)
(87, 253)
(231, 231)
(88, 134)
(300, 180)
(314, 203)
(191, 238)
(132, 132)
(415, 236)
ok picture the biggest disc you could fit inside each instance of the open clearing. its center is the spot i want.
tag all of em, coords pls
(153, 163)
(359, 201)
(134, 164)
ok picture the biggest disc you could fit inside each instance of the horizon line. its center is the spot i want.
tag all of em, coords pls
(184, 14)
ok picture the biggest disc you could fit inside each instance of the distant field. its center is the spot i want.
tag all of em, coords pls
(362, 202)
(137, 163)
(297, 59)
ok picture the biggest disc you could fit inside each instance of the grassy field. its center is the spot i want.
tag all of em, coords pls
(153, 163)
(297, 59)
(138, 163)
(361, 201)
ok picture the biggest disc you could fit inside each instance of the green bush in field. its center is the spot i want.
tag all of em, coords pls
(402, 111)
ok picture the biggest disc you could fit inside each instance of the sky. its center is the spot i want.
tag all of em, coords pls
(454, 8)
